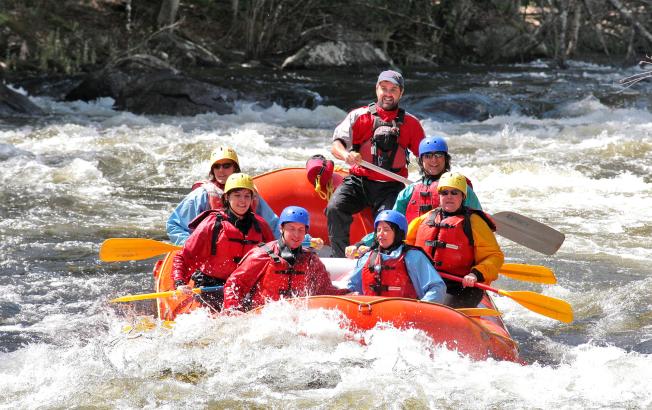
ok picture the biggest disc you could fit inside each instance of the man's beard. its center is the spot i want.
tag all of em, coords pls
(391, 107)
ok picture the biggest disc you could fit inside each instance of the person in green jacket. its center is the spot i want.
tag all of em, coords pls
(420, 197)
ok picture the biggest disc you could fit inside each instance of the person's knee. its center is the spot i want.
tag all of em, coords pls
(334, 210)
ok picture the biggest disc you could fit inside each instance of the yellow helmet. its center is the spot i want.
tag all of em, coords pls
(452, 180)
(224, 152)
(239, 180)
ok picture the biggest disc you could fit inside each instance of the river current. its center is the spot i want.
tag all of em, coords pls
(572, 150)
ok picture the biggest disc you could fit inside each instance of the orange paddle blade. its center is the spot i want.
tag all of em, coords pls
(133, 249)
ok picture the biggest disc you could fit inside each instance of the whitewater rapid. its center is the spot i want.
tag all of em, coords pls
(86, 173)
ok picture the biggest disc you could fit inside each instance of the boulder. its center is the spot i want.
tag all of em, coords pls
(461, 107)
(171, 94)
(16, 104)
(339, 53)
(117, 75)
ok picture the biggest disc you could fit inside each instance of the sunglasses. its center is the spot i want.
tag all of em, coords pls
(429, 155)
(227, 165)
(446, 192)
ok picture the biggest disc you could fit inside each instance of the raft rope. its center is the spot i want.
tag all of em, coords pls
(326, 195)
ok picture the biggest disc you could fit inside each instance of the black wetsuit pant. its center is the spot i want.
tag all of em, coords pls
(352, 196)
(461, 297)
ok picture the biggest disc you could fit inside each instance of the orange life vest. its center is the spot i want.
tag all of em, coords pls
(387, 277)
(384, 150)
(449, 240)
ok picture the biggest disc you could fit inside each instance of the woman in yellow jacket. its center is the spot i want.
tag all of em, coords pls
(460, 241)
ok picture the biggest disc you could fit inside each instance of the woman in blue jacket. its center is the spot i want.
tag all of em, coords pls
(207, 195)
(394, 269)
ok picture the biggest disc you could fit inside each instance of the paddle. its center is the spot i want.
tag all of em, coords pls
(133, 249)
(528, 273)
(545, 305)
(515, 227)
(145, 296)
(339, 268)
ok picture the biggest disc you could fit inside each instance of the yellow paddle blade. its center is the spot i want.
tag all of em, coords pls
(545, 305)
(528, 273)
(145, 296)
(133, 249)
(478, 312)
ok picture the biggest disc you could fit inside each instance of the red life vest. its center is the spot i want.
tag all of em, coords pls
(424, 198)
(387, 277)
(228, 244)
(214, 193)
(448, 241)
(281, 279)
(383, 149)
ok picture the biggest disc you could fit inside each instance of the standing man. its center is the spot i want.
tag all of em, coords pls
(380, 133)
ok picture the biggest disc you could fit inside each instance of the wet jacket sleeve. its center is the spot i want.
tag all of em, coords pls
(348, 127)
(195, 250)
(403, 199)
(472, 200)
(413, 227)
(266, 212)
(355, 281)
(244, 278)
(426, 281)
(488, 256)
(192, 205)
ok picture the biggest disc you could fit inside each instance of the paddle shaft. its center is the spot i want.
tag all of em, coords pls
(544, 305)
(477, 284)
(167, 294)
(515, 227)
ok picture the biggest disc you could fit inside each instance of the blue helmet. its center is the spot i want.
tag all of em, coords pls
(394, 217)
(433, 144)
(294, 214)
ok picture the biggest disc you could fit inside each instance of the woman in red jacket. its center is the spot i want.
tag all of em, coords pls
(281, 268)
(219, 240)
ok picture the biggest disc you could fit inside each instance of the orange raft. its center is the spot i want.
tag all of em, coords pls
(477, 332)
(280, 188)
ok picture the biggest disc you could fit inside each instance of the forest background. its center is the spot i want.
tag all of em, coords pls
(77, 36)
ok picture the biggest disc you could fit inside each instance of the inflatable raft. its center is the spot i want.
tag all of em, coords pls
(476, 332)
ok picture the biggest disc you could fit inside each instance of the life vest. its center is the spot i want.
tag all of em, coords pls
(387, 277)
(228, 243)
(424, 198)
(382, 147)
(282, 279)
(448, 241)
(214, 193)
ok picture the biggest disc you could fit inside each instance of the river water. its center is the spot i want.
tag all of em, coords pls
(565, 148)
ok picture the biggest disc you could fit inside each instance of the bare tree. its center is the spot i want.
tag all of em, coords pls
(167, 15)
